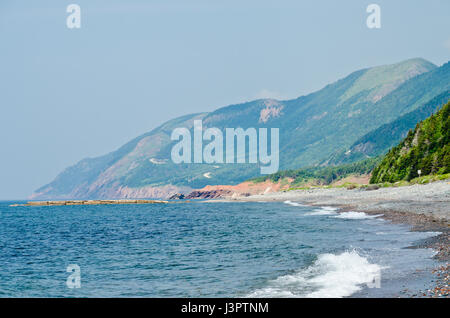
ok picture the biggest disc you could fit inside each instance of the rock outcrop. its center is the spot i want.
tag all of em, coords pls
(213, 194)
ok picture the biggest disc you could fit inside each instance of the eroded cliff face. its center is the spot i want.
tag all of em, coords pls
(116, 191)
(243, 189)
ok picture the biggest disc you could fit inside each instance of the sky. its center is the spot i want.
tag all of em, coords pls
(67, 94)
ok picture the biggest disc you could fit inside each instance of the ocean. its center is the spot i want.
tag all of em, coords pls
(200, 249)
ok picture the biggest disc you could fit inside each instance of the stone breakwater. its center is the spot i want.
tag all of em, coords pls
(88, 202)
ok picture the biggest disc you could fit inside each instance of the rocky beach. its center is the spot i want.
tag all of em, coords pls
(424, 207)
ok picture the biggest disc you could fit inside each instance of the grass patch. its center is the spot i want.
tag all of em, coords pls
(403, 183)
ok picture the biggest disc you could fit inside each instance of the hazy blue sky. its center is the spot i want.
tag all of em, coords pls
(70, 94)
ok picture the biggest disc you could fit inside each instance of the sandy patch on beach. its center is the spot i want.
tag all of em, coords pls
(251, 188)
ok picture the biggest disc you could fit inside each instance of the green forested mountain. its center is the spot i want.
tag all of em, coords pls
(380, 140)
(312, 127)
(426, 148)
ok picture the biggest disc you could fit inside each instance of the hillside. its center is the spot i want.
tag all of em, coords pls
(379, 141)
(312, 127)
(321, 175)
(426, 148)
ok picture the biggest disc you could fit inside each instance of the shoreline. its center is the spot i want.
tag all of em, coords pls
(88, 202)
(424, 208)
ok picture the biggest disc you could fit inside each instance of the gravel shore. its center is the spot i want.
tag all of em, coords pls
(423, 207)
(430, 199)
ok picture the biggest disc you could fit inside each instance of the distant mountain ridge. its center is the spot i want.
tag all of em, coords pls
(312, 128)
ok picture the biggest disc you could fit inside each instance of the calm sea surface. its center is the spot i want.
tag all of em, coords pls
(206, 250)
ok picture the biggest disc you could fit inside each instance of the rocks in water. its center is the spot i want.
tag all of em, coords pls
(208, 194)
(212, 194)
(177, 196)
(88, 202)
(442, 288)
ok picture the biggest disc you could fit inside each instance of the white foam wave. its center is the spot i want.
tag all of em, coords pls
(292, 203)
(330, 276)
(356, 215)
(326, 210)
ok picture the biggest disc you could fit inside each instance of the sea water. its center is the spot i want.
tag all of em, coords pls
(201, 249)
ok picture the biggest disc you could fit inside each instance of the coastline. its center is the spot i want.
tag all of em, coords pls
(425, 208)
(88, 202)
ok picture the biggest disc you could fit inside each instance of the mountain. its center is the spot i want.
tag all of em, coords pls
(426, 148)
(312, 127)
(379, 141)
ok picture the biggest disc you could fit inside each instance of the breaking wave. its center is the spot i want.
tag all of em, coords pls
(331, 275)
(326, 210)
(356, 215)
(292, 203)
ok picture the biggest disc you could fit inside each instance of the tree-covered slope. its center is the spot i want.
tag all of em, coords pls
(426, 148)
(380, 140)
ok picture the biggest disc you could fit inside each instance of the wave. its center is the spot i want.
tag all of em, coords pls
(292, 203)
(331, 276)
(356, 216)
(326, 210)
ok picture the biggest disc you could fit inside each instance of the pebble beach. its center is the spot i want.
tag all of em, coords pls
(423, 207)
